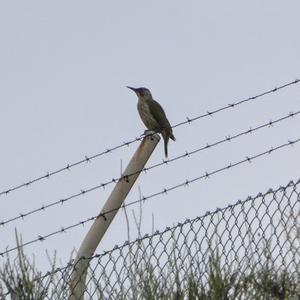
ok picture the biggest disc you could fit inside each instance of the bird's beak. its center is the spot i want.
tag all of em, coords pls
(133, 89)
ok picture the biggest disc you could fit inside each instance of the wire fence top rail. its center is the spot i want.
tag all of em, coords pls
(185, 183)
(188, 120)
(186, 154)
(258, 233)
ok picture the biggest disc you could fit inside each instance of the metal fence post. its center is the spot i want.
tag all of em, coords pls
(101, 224)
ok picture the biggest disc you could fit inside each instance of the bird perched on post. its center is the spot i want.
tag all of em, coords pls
(153, 115)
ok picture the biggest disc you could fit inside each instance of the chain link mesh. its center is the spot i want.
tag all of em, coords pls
(259, 233)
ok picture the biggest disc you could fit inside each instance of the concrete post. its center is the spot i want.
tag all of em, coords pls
(112, 205)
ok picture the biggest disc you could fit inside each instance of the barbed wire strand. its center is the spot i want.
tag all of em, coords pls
(186, 183)
(145, 169)
(188, 120)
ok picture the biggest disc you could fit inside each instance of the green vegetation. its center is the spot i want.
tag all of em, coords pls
(147, 281)
(172, 269)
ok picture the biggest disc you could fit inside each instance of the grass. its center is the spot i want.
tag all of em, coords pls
(145, 281)
(181, 274)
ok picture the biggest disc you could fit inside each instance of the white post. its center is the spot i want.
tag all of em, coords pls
(112, 205)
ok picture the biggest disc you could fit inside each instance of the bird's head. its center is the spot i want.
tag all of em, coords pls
(142, 92)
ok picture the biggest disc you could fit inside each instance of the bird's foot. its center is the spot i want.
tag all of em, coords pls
(149, 132)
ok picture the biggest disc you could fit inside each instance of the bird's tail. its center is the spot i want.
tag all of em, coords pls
(166, 135)
(166, 140)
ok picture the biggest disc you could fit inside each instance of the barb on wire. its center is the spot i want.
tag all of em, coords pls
(145, 169)
(164, 191)
(109, 150)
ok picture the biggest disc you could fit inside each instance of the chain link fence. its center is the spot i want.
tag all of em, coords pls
(248, 250)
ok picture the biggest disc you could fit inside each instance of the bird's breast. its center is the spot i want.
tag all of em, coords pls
(146, 116)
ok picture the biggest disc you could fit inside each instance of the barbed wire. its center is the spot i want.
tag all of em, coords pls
(188, 120)
(186, 183)
(145, 169)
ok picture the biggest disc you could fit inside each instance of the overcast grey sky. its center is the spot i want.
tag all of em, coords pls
(64, 66)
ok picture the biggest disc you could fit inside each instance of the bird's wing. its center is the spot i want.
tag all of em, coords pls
(158, 113)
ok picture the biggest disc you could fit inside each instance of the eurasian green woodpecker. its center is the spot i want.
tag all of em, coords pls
(153, 115)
